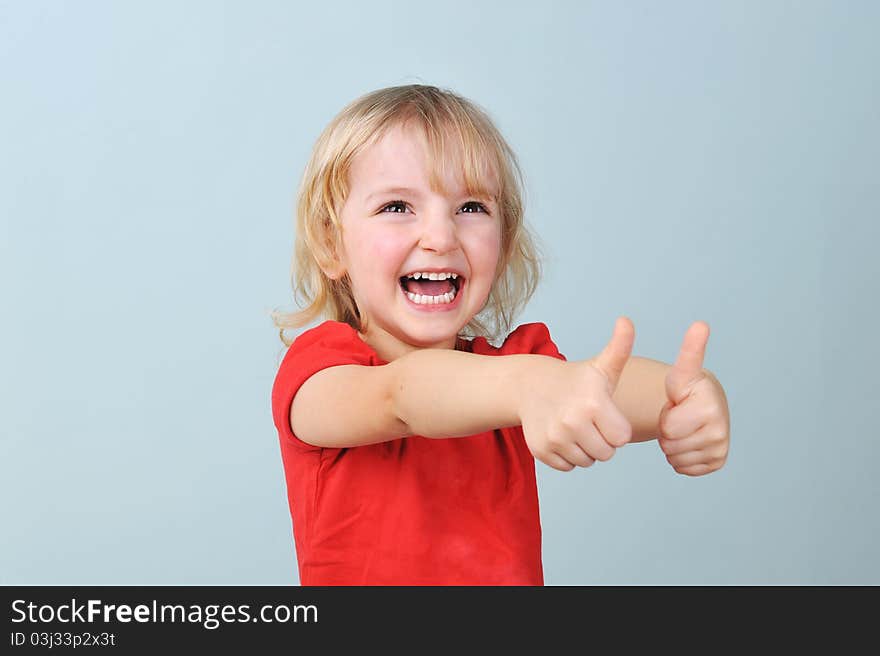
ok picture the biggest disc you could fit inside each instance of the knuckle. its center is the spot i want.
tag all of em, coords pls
(670, 447)
(620, 438)
(548, 457)
(569, 423)
(592, 405)
(584, 460)
(554, 442)
(605, 454)
(715, 437)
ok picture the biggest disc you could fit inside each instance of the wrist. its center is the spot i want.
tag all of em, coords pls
(529, 378)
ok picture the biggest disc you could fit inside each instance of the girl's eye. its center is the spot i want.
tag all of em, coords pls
(473, 202)
(396, 203)
(402, 204)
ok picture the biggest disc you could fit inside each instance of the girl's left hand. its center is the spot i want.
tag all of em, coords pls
(695, 422)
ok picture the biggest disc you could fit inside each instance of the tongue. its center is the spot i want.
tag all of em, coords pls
(429, 287)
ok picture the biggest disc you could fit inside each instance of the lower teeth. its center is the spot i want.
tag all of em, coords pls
(431, 300)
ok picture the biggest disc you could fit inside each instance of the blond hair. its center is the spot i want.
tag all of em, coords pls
(446, 119)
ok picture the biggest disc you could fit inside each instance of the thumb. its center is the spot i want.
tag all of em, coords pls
(688, 368)
(615, 355)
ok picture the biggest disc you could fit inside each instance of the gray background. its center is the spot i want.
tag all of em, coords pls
(683, 161)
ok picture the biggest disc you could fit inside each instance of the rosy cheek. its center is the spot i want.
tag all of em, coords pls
(382, 248)
(486, 245)
(371, 245)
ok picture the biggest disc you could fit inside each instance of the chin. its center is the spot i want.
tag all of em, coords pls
(428, 337)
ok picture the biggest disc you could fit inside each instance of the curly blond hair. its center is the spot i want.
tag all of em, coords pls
(446, 120)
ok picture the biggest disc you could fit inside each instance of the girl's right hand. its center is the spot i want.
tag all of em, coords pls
(568, 416)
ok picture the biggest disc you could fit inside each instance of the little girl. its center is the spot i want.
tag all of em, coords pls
(408, 439)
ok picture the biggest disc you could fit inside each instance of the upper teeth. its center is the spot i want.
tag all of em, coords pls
(433, 276)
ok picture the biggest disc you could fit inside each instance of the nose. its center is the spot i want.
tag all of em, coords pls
(439, 233)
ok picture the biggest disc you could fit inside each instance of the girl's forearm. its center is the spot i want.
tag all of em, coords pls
(443, 393)
(641, 395)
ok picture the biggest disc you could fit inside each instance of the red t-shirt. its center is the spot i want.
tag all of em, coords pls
(415, 510)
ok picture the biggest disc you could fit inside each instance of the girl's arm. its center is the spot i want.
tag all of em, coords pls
(430, 392)
(444, 393)
(641, 395)
(440, 393)
(566, 410)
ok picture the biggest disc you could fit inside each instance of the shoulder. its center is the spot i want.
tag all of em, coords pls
(329, 333)
(326, 345)
(526, 338)
(329, 344)
(329, 336)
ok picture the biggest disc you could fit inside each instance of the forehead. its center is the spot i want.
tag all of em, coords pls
(403, 157)
(397, 153)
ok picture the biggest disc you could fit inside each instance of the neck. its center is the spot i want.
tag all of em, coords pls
(389, 348)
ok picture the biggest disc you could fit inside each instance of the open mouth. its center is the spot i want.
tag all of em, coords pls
(438, 289)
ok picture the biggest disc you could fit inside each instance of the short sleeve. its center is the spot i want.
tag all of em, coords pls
(533, 338)
(330, 344)
(527, 338)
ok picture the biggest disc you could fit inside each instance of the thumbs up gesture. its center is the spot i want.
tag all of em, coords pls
(695, 422)
(568, 416)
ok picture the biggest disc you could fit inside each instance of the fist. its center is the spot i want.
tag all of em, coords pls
(695, 422)
(568, 417)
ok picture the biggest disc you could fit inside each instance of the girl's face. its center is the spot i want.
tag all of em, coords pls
(395, 226)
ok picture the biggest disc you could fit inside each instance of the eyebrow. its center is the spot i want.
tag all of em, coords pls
(415, 192)
(395, 190)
